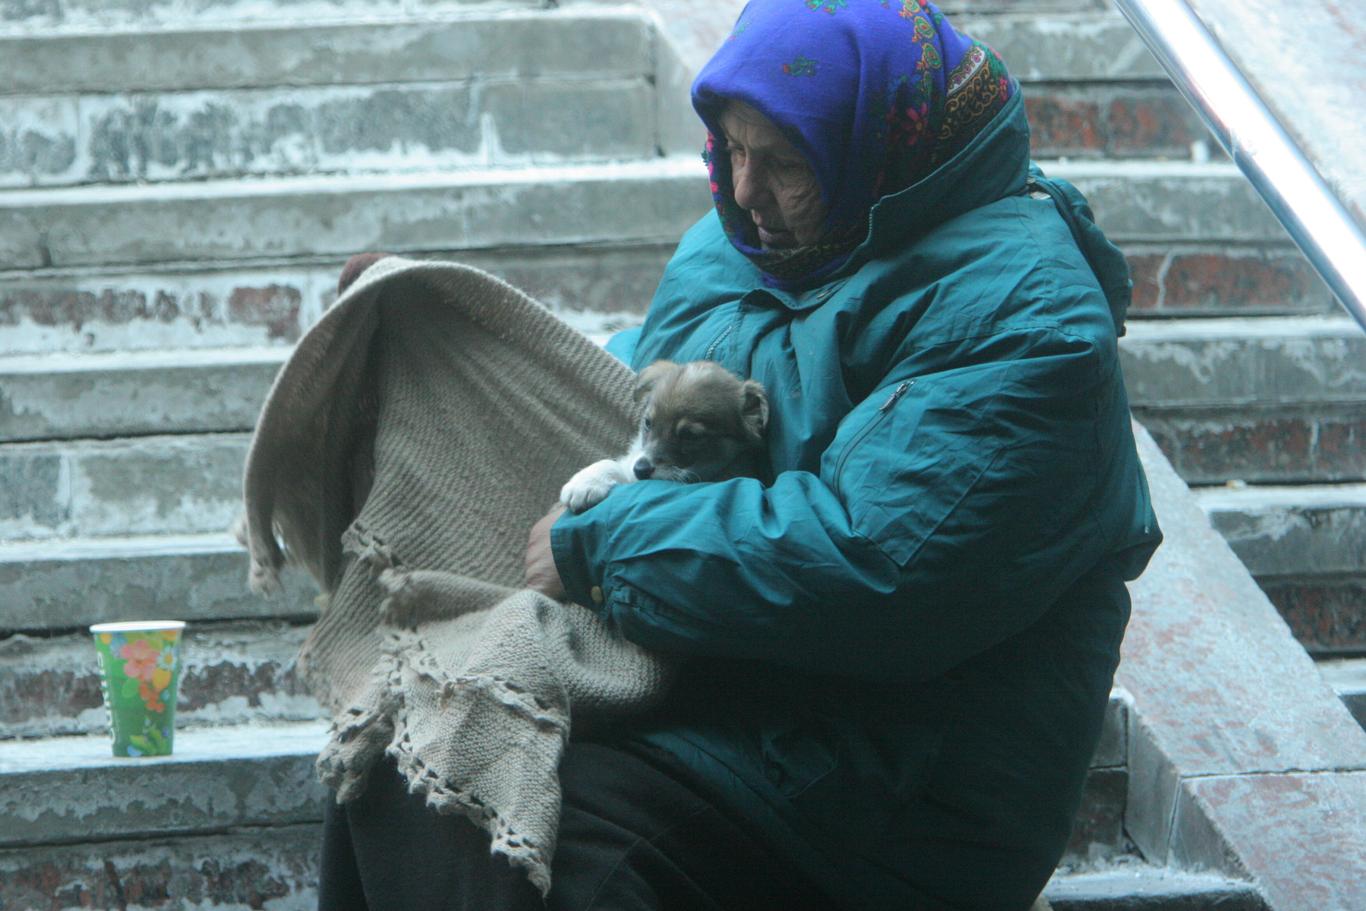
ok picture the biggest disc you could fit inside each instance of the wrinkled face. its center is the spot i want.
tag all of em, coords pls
(773, 181)
(700, 422)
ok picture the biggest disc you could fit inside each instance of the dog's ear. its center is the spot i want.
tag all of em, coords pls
(651, 376)
(754, 408)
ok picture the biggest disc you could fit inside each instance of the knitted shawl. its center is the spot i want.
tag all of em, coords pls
(416, 433)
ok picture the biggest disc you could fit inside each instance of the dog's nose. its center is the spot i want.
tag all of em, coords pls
(643, 468)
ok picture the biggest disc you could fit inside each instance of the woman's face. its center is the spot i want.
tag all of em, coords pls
(773, 182)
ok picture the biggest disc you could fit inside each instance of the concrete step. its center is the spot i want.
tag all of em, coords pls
(1347, 677)
(71, 583)
(276, 868)
(1305, 547)
(225, 222)
(1261, 400)
(209, 134)
(650, 202)
(574, 40)
(595, 288)
(276, 51)
(206, 99)
(48, 16)
(231, 674)
(1228, 374)
(218, 778)
(65, 396)
(187, 484)
(61, 140)
(245, 795)
(1138, 887)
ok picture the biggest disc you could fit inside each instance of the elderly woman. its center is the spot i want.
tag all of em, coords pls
(899, 642)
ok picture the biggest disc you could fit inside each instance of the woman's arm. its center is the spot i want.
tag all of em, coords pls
(948, 513)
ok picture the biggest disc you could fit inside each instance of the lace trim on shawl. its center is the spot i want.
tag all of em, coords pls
(361, 733)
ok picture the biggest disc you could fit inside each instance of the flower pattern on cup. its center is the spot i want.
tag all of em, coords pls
(140, 659)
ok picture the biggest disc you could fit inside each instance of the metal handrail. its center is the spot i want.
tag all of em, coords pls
(1255, 140)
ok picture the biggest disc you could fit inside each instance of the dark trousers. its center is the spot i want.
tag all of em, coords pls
(633, 836)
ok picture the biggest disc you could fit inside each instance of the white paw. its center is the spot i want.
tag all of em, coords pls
(592, 484)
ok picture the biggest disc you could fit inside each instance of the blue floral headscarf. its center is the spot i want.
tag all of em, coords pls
(875, 93)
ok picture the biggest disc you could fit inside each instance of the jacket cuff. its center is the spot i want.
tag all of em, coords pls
(582, 584)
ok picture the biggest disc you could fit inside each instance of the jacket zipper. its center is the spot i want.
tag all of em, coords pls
(711, 349)
(875, 420)
(735, 321)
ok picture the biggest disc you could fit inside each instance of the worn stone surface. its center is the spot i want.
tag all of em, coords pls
(595, 288)
(97, 313)
(645, 201)
(147, 485)
(1253, 31)
(69, 584)
(1347, 677)
(1218, 281)
(48, 15)
(36, 492)
(1098, 46)
(275, 868)
(1154, 788)
(1136, 887)
(577, 42)
(131, 393)
(234, 673)
(1269, 362)
(38, 141)
(1300, 834)
(1214, 673)
(651, 202)
(355, 129)
(1221, 690)
(1137, 201)
(71, 788)
(1113, 749)
(1283, 531)
(1310, 443)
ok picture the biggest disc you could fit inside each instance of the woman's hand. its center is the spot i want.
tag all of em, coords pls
(541, 573)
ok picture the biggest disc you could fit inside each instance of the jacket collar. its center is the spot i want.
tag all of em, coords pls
(991, 167)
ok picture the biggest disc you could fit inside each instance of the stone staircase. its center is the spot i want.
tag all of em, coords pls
(178, 192)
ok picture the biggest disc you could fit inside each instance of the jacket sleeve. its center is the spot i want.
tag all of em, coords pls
(951, 509)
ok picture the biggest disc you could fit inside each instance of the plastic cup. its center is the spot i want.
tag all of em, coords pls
(140, 676)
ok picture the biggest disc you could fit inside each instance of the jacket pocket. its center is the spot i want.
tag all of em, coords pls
(911, 466)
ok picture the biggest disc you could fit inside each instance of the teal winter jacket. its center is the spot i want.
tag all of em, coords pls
(900, 641)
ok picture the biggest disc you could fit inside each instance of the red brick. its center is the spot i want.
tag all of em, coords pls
(55, 304)
(1151, 123)
(275, 307)
(1327, 616)
(1063, 125)
(1098, 829)
(1146, 271)
(1213, 281)
(1211, 446)
(247, 870)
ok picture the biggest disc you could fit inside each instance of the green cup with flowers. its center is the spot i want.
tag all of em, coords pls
(139, 677)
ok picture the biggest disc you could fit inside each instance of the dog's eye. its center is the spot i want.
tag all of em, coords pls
(690, 434)
(646, 423)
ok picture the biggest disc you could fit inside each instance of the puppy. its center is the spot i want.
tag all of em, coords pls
(701, 423)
